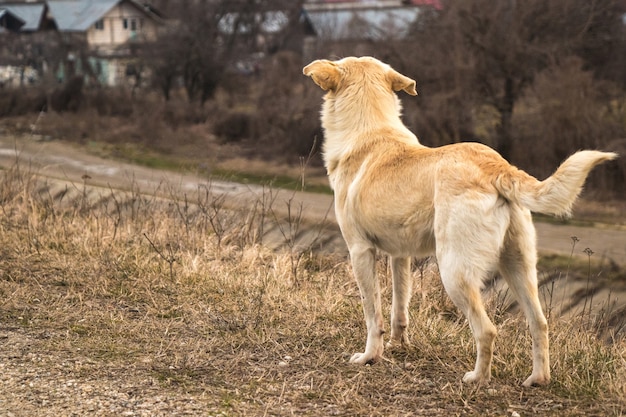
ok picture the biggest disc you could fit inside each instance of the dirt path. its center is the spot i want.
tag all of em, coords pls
(65, 162)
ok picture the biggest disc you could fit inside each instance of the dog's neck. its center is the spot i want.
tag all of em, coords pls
(352, 121)
(358, 110)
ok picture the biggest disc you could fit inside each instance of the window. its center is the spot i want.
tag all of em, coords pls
(130, 24)
(99, 24)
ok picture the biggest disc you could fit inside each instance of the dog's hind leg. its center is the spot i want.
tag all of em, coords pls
(470, 232)
(464, 289)
(363, 259)
(402, 287)
(518, 267)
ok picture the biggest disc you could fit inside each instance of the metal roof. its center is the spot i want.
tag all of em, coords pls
(362, 23)
(69, 15)
(30, 13)
(8, 13)
(269, 22)
(80, 15)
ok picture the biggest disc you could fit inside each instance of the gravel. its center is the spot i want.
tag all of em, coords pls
(35, 384)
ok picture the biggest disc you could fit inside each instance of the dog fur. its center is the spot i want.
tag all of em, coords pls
(462, 202)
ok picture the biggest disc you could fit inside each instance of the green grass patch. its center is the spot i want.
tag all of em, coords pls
(135, 154)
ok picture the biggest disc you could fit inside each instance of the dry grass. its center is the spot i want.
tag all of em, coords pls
(149, 295)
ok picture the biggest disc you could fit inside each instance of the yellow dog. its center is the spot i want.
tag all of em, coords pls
(462, 202)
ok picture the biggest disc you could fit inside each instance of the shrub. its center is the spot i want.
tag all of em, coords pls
(68, 97)
(111, 102)
(234, 126)
(288, 109)
(21, 101)
(565, 110)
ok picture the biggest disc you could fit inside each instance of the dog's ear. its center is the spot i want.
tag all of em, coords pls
(401, 82)
(325, 73)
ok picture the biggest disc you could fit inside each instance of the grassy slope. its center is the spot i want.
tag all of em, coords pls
(186, 304)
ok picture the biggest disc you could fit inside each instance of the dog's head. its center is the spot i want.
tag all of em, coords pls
(333, 76)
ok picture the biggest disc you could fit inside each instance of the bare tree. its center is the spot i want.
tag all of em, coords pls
(488, 52)
(206, 37)
(163, 58)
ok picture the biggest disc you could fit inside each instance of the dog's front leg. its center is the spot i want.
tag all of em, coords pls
(364, 266)
(402, 287)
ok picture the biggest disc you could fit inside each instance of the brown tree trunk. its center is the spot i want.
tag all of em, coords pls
(505, 138)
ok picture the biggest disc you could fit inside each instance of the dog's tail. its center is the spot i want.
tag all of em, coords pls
(556, 194)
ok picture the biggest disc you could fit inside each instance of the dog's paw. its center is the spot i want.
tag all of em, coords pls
(392, 344)
(398, 344)
(474, 377)
(363, 359)
(536, 380)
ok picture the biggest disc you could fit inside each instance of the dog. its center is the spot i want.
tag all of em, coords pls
(462, 202)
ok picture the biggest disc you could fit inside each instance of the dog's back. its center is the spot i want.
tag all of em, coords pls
(361, 118)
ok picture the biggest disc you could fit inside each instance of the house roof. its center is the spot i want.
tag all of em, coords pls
(4, 12)
(8, 14)
(79, 15)
(269, 22)
(9, 21)
(436, 4)
(30, 13)
(432, 3)
(362, 21)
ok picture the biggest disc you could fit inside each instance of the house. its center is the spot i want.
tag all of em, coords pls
(100, 37)
(24, 30)
(111, 30)
(107, 26)
(335, 22)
